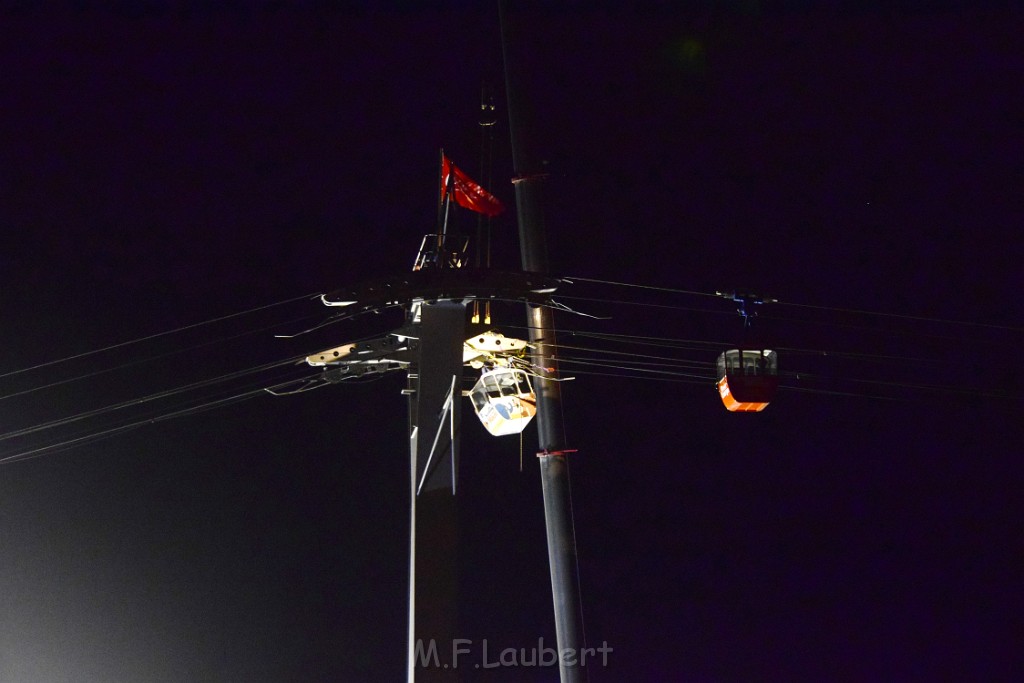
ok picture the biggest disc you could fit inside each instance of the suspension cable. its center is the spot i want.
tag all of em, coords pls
(158, 334)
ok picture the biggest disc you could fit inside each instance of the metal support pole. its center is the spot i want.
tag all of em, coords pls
(434, 416)
(554, 465)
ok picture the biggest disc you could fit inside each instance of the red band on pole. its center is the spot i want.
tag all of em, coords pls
(566, 451)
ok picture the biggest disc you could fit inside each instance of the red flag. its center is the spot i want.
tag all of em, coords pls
(468, 194)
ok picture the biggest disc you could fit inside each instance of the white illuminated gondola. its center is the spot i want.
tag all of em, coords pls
(504, 400)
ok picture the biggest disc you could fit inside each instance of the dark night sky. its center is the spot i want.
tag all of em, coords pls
(164, 167)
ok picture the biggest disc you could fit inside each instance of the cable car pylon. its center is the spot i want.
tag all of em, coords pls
(433, 347)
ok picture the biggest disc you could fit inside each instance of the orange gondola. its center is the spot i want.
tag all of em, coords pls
(747, 379)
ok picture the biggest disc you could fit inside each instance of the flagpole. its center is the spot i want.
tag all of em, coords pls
(444, 208)
(444, 194)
